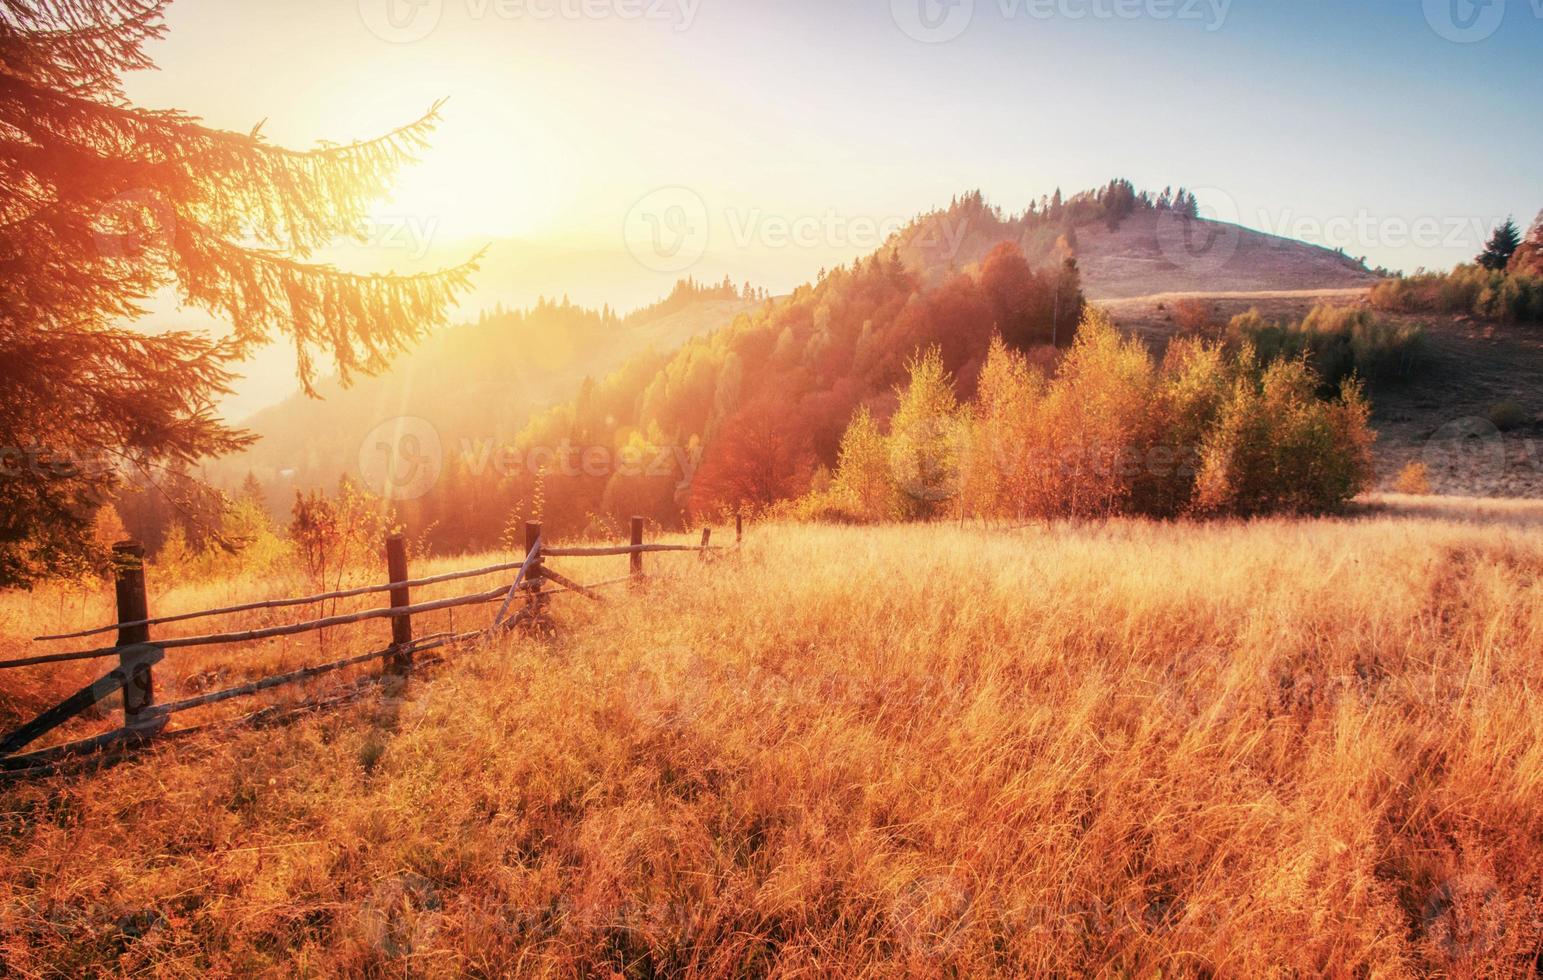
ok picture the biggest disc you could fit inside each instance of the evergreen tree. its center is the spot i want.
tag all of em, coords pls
(252, 491)
(1500, 247)
(107, 205)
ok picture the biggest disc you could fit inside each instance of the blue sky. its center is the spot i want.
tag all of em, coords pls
(799, 130)
(1350, 124)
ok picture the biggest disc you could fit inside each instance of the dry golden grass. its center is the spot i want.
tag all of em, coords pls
(1290, 747)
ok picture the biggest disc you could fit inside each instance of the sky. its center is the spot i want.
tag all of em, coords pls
(650, 139)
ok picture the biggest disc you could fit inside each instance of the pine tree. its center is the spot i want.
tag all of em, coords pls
(107, 205)
(1500, 247)
(252, 491)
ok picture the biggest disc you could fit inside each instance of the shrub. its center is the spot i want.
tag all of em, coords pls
(1512, 297)
(1195, 381)
(331, 534)
(1087, 447)
(1507, 415)
(1276, 448)
(1413, 479)
(1194, 316)
(1339, 341)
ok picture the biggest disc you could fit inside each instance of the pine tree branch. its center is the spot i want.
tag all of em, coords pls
(239, 184)
(358, 320)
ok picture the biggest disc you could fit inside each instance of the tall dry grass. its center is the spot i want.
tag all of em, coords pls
(1285, 747)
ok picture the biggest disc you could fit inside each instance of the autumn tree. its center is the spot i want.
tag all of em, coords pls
(924, 437)
(108, 205)
(762, 455)
(1011, 285)
(865, 481)
(1529, 254)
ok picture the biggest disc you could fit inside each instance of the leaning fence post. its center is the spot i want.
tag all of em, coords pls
(133, 607)
(637, 556)
(739, 529)
(532, 538)
(707, 540)
(401, 660)
(533, 578)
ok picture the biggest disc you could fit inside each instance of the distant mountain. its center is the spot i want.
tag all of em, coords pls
(471, 383)
(1140, 248)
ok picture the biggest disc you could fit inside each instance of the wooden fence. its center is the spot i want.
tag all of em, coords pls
(136, 653)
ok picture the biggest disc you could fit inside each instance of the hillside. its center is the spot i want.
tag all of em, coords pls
(474, 382)
(1126, 246)
(1145, 255)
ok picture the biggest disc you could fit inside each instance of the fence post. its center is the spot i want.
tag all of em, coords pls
(707, 540)
(133, 607)
(401, 661)
(739, 529)
(637, 556)
(533, 579)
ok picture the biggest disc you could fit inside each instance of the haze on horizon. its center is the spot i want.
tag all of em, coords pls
(803, 130)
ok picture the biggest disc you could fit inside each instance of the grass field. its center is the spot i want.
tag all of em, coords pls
(1281, 748)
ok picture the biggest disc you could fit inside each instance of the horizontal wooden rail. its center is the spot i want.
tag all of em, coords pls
(284, 603)
(268, 683)
(248, 636)
(44, 757)
(641, 549)
(294, 677)
(588, 591)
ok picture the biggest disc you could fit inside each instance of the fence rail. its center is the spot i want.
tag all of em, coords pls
(144, 719)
